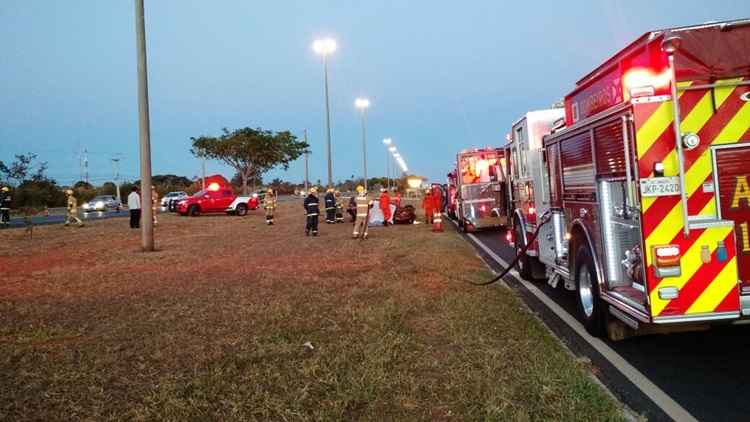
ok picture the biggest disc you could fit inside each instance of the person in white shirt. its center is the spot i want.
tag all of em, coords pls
(134, 205)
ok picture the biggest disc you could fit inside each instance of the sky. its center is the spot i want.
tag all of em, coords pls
(441, 76)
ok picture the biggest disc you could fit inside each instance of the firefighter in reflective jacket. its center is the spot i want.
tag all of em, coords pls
(339, 206)
(5, 201)
(385, 206)
(428, 205)
(330, 202)
(362, 214)
(312, 209)
(72, 215)
(269, 204)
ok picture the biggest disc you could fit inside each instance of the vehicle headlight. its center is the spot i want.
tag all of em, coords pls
(255, 195)
(100, 204)
(86, 206)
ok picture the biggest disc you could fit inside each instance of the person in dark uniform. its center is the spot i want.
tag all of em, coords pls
(5, 200)
(312, 209)
(330, 201)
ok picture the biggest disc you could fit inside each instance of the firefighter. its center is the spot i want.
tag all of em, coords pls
(330, 202)
(385, 206)
(312, 209)
(339, 206)
(362, 213)
(5, 200)
(269, 204)
(154, 203)
(72, 215)
(428, 205)
(396, 198)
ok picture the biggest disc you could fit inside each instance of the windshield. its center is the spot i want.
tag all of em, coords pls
(200, 193)
(102, 198)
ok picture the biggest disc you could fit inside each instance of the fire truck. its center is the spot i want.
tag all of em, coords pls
(480, 199)
(638, 197)
(450, 192)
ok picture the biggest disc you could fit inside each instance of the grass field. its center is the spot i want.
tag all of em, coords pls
(212, 327)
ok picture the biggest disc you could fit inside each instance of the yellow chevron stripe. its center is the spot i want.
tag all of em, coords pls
(717, 290)
(666, 230)
(690, 262)
(722, 93)
(656, 124)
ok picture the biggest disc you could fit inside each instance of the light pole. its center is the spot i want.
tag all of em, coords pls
(326, 47)
(362, 104)
(307, 167)
(387, 142)
(116, 165)
(147, 222)
(393, 150)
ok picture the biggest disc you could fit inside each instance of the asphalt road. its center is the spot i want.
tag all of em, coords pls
(706, 373)
(40, 220)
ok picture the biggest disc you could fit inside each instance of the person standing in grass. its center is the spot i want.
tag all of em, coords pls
(362, 213)
(269, 204)
(428, 205)
(339, 207)
(134, 205)
(5, 200)
(396, 198)
(72, 215)
(330, 201)
(312, 209)
(154, 202)
(385, 205)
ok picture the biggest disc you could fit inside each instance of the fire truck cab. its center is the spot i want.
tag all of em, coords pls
(643, 193)
(480, 200)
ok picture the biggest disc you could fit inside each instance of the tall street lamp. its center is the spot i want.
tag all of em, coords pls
(387, 142)
(393, 150)
(362, 104)
(325, 47)
(144, 130)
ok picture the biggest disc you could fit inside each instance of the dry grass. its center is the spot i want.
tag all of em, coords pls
(212, 326)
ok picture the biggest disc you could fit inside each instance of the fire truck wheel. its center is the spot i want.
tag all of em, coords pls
(241, 210)
(523, 266)
(194, 211)
(587, 288)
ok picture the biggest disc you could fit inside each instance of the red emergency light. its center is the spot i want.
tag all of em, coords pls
(645, 82)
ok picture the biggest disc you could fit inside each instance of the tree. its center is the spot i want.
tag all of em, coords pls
(19, 169)
(250, 152)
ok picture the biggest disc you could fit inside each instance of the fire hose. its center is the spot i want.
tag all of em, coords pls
(543, 219)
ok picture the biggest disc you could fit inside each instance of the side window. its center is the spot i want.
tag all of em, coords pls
(522, 148)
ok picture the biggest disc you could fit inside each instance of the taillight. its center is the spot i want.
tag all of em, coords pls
(483, 208)
(509, 236)
(532, 210)
(667, 260)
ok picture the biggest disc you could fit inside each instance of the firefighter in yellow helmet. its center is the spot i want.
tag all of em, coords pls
(154, 203)
(312, 209)
(72, 215)
(5, 200)
(269, 204)
(339, 206)
(363, 213)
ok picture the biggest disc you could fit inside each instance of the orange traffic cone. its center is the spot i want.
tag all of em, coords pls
(437, 222)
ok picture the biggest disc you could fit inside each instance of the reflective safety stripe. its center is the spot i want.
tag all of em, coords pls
(312, 215)
(331, 208)
(361, 215)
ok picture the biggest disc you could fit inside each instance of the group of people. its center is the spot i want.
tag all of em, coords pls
(359, 207)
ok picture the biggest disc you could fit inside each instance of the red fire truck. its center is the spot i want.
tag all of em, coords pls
(641, 195)
(480, 200)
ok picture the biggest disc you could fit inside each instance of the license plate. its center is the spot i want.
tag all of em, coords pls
(660, 186)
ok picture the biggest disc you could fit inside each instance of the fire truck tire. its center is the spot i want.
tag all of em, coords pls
(590, 305)
(194, 211)
(523, 266)
(241, 210)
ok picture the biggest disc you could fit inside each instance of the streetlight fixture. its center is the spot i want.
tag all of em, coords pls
(387, 142)
(325, 47)
(362, 104)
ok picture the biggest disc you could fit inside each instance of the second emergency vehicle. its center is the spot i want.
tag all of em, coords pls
(640, 193)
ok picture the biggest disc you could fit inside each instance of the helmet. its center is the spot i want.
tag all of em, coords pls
(360, 188)
(329, 190)
(5, 189)
(382, 190)
(69, 191)
(269, 190)
(313, 190)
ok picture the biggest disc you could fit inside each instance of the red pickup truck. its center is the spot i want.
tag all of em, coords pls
(217, 198)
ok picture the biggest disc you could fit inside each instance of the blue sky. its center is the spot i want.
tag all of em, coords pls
(441, 75)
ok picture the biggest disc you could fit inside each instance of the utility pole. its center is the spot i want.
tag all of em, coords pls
(86, 165)
(203, 178)
(116, 168)
(307, 167)
(144, 132)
